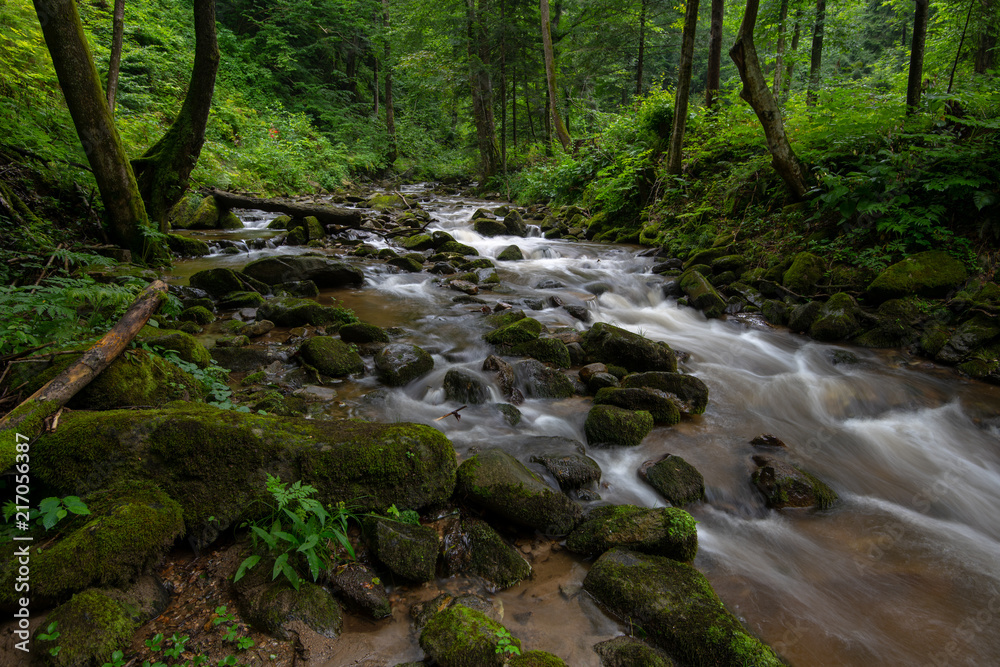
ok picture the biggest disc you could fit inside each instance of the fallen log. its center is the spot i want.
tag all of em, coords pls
(28, 420)
(325, 214)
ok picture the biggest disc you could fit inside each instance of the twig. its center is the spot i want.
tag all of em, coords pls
(400, 195)
(458, 417)
(18, 355)
(44, 269)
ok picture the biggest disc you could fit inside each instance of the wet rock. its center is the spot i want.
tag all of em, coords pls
(400, 363)
(514, 224)
(91, 625)
(590, 370)
(238, 300)
(805, 272)
(658, 404)
(570, 470)
(676, 607)
(270, 606)
(462, 386)
(520, 331)
(533, 304)
(185, 246)
(689, 391)
(491, 557)
(767, 440)
(205, 216)
(547, 350)
(784, 485)
(331, 356)
(631, 652)
(385, 202)
(802, 317)
(464, 286)
(601, 380)
(238, 340)
(241, 359)
(458, 248)
(505, 378)
(419, 242)
(408, 551)
(775, 312)
(358, 584)
(662, 531)
(463, 637)
(612, 345)
(895, 322)
(292, 312)
(362, 332)
(185, 345)
(220, 282)
(495, 480)
(578, 312)
(510, 414)
(971, 334)
(701, 294)
(229, 220)
(489, 227)
(323, 272)
(442, 269)
(539, 381)
(296, 236)
(611, 426)
(305, 289)
(677, 480)
(407, 263)
(933, 274)
(511, 253)
(838, 318)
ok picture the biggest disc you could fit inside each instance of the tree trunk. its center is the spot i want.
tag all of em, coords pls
(683, 88)
(714, 53)
(916, 74)
(961, 43)
(780, 50)
(503, 86)
(325, 214)
(757, 93)
(550, 78)
(375, 87)
(164, 170)
(114, 64)
(28, 420)
(642, 47)
(482, 92)
(81, 85)
(796, 34)
(816, 59)
(986, 51)
(390, 111)
(513, 105)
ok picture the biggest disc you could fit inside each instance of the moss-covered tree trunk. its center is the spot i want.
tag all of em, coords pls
(550, 78)
(758, 94)
(916, 73)
(114, 63)
(81, 85)
(482, 91)
(163, 171)
(683, 88)
(714, 53)
(390, 112)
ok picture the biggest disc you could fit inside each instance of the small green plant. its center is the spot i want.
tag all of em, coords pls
(49, 512)
(505, 643)
(51, 634)
(117, 660)
(404, 516)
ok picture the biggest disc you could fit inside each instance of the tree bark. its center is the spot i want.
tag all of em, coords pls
(961, 42)
(714, 53)
(683, 88)
(114, 64)
(325, 214)
(164, 170)
(390, 110)
(915, 79)
(816, 59)
(503, 85)
(642, 47)
(28, 420)
(796, 34)
(987, 48)
(81, 85)
(757, 93)
(550, 78)
(780, 50)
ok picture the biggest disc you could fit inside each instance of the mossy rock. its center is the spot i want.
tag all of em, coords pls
(136, 378)
(614, 346)
(331, 356)
(181, 213)
(184, 448)
(292, 312)
(440, 238)
(896, 320)
(971, 334)
(303, 289)
(536, 659)
(384, 203)
(515, 224)
(496, 481)
(358, 585)
(511, 253)
(775, 312)
(663, 531)
(804, 274)
(310, 225)
(507, 412)
(464, 387)
(407, 264)
(408, 551)
(802, 317)
(701, 294)
(505, 317)
(219, 282)
(128, 531)
(296, 236)
(185, 246)
(705, 257)
(491, 557)
(229, 220)
(677, 609)
(547, 350)
(185, 345)
(631, 652)
(784, 485)
(206, 216)
(463, 637)
(281, 222)
(270, 606)
(457, 248)
(690, 393)
(677, 480)
(657, 403)
(521, 331)
(92, 625)
(419, 242)
(539, 381)
(362, 332)
(240, 299)
(489, 227)
(726, 263)
(934, 338)
(400, 363)
(838, 319)
(611, 426)
(933, 274)
(572, 471)
(478, 263)
(324, 272)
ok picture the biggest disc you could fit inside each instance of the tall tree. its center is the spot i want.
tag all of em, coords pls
(987, 48)
(758, 95)
(481, 85)
(114, 63)
(81, 86)
(714, 53)
(390, 111)
(780, 49)
(642, 46)
(163, 171)
(550, 78)
(683, 88)
(790, 68)
(916, 74)
(816, 58)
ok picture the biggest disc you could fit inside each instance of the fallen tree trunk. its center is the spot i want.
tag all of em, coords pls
(28, 420)
(325, 214)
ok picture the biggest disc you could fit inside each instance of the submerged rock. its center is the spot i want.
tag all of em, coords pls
(400, 363)
(609, 344)
(689, 391)
(677, 480)
(784, 485)
(662, 531)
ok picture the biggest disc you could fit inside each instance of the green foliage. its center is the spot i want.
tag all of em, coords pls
(505, 643)
(51, 634)
(49, 512)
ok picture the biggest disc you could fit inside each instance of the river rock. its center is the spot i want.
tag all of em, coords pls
(463, 637)
(515, 224)
(609, 344)
(458, 248)
(408, 551)
(802, 317)
(547, 350)
(491, 557)
(522, 330)
(676, 607)
(805, 272)
(291, 312)
(838, 318)
(662, 531)
(304, 289)
(631, 652)
(495, 480)
(419, 242)
(331, 356)
(505, 378)
(539, 381)
(689, 391)
(357, 583)
(185, 246)
(464, 387)
(572, 470)
(323, 272)
(362, 333)
(599, 381)
(677, 480)
(611, 426)
(271, 606)
(511, 253)
(701, 294)
(219, 282)
(657, 403)
(407, 264)
(971, 334)
(399, 363)
(489, 227)
(932, 273)
(590, 370)
(784, 485)
(185, 345)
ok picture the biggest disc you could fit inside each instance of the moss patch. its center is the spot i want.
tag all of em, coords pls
(932, 274)
(663, 531)
(91, 627)
(614, 346)
(609, 425)
(331, 356)
(463, 637)
(521, 331)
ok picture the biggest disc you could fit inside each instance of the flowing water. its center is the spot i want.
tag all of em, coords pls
(904, 570)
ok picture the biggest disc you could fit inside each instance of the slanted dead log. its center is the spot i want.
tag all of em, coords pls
(325, 214)
(28, 420)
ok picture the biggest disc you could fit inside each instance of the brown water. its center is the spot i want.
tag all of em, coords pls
(904, 570)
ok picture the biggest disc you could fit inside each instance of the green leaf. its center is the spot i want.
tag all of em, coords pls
(247, 564)
(279, 564)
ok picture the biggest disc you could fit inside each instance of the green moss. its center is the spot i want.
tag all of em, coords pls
(400, 363)
(185, 345)
(406, 263)
(419, 242)
(240, 299)
(663, 531)
(677, 480)
(548, 350)
(934, 339)
(292, 312)
(521, 331)
(408, 551)
(505, 317)
(609, 425)
(206, 216)
(536, 659)
(480, 263)
(186, 246)
(296, 236)
(197, 314)
(805, 272)
(254, 378)
(229, 220)
(331, 356)
(137, 378)
(932, 274)
(362, 332)
(689, 391)
(657, 403)
(491, 557)
(511, 253)
(219, 282)
(385, 203)
(616, 347)
(91, 627)
(838, 319)
(458, 248)
(462, 637)
(281, 222)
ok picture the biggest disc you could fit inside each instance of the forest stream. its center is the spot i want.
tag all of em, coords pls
(902, 571)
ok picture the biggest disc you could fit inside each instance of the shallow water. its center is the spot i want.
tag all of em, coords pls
(904, 570)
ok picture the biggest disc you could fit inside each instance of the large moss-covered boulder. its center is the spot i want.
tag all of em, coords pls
(805, 272)
(784, 485)
(521, 331)
(515, 224)
(464, 387)
(933, 274)
(491, 557)
(547, 350)
(419, 242)
(215, 462)
(677, 480)
(572, 470)
(180, 214)
(631, 652)
(612, 426)
(185, 246)
(838, 318)
(971, 334)
(609, 344)
(291, 312)
(331, 356)
(689, 392)
(184, 345)
(457, 248)
(91, 626)
(676, 607)
(206, 216)
(496, 481)
(802, 316)
(271, 605)
(539, 381)
(324, 272)
(137, 378)
(702, 295)
(462, 637)
(229, 220)
(220, 282)
(489, 227)
(408, 551)
(658, 404)
(386, 202)
(310, 225)
(664, 531)
(399, 363)
(129, 529)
